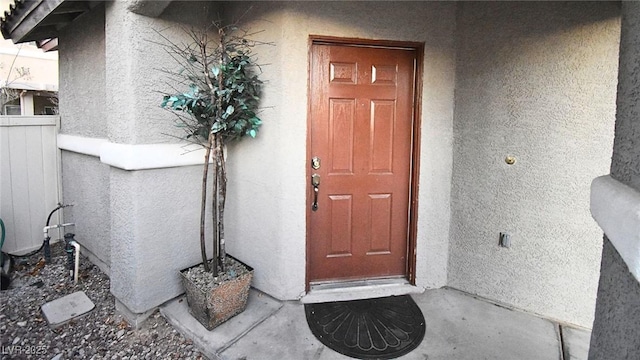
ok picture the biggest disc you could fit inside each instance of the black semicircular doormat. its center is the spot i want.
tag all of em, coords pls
(382, 328)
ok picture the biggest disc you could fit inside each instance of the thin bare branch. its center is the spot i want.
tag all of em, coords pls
(213, 96)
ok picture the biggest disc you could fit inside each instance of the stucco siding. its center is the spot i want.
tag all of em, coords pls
(532, 80)
(82, 76)
(536, 81)
(616, 329)
(625, 163)
(154, 213)
(154, 227)
(265, 220)
(85, 183)
(135, 68)
(85, 180)
(111, 75)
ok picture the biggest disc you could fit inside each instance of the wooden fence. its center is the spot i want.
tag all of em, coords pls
(30, 182)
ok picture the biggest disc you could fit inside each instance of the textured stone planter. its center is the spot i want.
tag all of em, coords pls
(213, 306)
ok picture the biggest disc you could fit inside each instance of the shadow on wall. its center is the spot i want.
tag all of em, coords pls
(556, 17)
(536, 81)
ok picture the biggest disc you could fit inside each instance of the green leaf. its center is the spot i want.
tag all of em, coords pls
(217, 127)
(165, 100)
(227, 108)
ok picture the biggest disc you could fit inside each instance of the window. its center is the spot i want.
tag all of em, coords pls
(12, 110)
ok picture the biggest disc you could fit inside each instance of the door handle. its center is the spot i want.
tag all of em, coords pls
(315, 182)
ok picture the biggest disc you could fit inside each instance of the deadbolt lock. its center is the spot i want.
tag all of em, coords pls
(315, 163)
(315, 180)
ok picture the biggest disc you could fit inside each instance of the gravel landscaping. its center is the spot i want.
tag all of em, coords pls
(100, 334)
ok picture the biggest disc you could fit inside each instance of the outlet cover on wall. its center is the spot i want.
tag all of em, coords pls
(505, 240)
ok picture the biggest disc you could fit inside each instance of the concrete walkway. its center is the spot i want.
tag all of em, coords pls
(459, 327)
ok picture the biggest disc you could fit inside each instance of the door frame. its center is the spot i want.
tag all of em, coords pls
(415, 146)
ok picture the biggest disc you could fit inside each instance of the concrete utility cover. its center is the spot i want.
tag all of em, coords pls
(59, 311)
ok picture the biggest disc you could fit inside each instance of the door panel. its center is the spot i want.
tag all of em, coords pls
(361, 129)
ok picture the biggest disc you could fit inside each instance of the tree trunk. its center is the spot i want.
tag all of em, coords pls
(214, 208)
(203, 204)
(222, 196)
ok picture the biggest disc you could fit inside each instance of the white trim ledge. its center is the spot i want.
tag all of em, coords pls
(80, 144)
(133, 157)
(150, 156)
(616, 208)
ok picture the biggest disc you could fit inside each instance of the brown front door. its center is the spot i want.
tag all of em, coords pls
(361, 119)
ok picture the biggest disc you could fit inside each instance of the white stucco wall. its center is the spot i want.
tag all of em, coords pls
(536, 81)
(154, 213)
(155, 233)
(85, 184)
(616, 207)
(134, 68)
(82, 76)
(267, 176)
(110, 78)
(85, 181)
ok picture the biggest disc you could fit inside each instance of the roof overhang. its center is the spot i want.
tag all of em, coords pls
(37, 20)
(42, 20)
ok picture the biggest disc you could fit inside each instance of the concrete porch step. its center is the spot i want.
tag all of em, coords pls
(459, 326)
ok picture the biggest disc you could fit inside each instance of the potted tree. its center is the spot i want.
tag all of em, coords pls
(217, 104)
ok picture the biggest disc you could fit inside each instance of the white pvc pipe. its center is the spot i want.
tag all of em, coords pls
(77, 265)
(47, 228)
